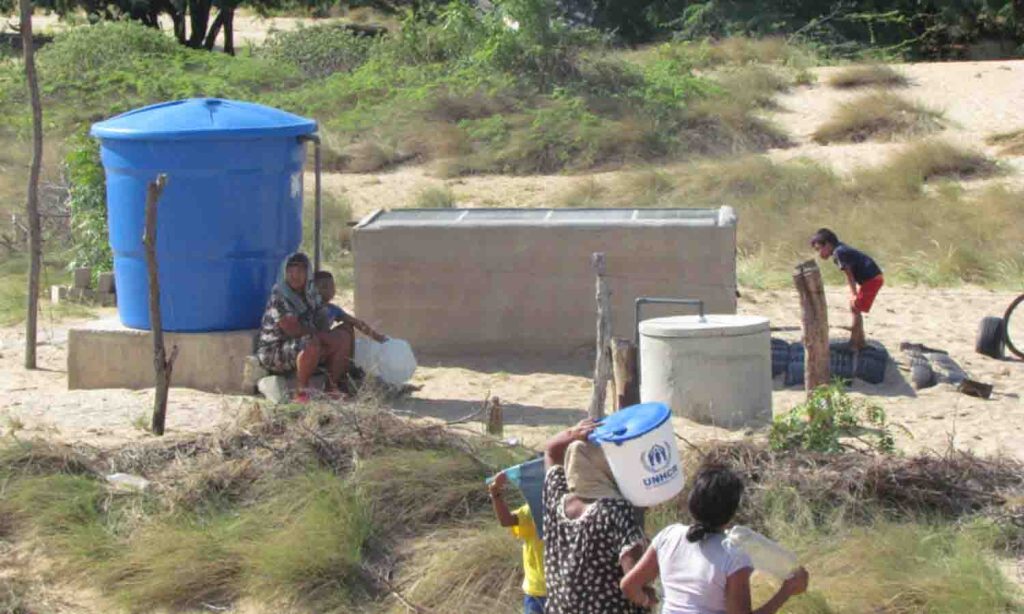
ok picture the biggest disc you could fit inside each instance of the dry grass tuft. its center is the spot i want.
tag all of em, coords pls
(178, 564)
(867, 75)
(726, 127)
(1009, 143)
(910, 168)
(366, 157)
(410, 489)
(42, 457)
(744, 50)
(464, 569)
(586, 192)
(452, 108)
(434, 197)
(753, 85)
(879, 116)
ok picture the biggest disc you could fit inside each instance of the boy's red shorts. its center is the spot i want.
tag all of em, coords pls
(867, 292)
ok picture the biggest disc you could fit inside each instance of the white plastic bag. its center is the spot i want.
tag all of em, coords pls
(365, 353)
(765, 555)
(391, 361)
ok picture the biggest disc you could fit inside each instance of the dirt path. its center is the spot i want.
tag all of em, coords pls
(540, 397)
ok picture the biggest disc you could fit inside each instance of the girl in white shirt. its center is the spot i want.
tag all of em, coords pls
(699, 573)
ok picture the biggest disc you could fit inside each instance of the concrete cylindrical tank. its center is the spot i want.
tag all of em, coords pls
(230, 214)
(713, 370)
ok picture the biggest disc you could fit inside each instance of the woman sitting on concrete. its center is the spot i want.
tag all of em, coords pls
(592, 535)
(289, 340)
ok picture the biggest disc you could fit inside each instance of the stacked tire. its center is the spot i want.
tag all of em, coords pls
(869, 364)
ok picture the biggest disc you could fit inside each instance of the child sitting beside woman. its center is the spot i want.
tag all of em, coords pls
(700, 574)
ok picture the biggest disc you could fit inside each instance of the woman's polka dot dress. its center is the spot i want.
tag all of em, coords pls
(581, 556)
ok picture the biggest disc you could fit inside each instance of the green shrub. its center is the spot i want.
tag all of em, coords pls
(818, 424)
(87, 203)
(319, 50)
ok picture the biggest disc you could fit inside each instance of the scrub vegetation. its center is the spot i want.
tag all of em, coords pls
(326, 509)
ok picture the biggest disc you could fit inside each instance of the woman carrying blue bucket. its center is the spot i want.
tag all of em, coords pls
(593, 532)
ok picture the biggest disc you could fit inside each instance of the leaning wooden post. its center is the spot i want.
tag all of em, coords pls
(603, 361)
(495, 419)
(35, 234)
(814, 309)
(627, 388)
(161, 363)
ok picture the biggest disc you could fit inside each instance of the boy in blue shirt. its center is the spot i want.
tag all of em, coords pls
(862, 274)
(324, 282)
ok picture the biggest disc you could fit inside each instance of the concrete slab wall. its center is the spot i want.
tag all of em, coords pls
(529, 287)
(105, 354)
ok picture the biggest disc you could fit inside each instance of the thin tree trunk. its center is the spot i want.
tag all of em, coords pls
(199, 16)
(229, 31)
(814, 310)
(603, 362)
(178, 18)
(211, 37)
(161, 363)
(35, 239)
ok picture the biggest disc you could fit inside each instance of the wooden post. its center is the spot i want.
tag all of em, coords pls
(35, 234)
(161, 363)
(627, 390)
(814, 308)
(603, 361)
(495, 420)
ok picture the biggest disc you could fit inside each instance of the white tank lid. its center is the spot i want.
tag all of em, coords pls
(722, 325)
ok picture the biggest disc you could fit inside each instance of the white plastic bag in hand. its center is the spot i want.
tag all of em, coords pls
(765, 555)
(391, 361)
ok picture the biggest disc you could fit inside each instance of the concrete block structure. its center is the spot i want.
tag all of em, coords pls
(107, 354)
(458, 281)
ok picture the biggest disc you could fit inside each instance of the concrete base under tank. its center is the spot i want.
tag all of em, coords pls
(106, 354)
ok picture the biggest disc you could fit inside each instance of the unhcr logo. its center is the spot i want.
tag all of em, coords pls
(657, 460)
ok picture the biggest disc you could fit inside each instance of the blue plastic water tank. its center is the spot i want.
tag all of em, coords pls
(230, 214)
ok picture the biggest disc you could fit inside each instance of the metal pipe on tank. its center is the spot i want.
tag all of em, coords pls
(317, 210)
(651, 300)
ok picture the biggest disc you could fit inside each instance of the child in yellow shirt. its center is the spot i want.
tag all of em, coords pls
(523, 528)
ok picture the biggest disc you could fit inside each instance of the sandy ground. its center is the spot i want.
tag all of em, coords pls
(979, 99)
(539, 397)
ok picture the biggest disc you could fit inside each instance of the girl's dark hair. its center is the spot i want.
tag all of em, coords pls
(322, 276)
(713, 501)
(824, 236)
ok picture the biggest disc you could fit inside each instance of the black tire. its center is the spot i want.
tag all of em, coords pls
(872, 364)
(1006, 327)
(840, 362)
(796, 352)
(990, 339)
(795, 373)
(780, 357)
(921, 374)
